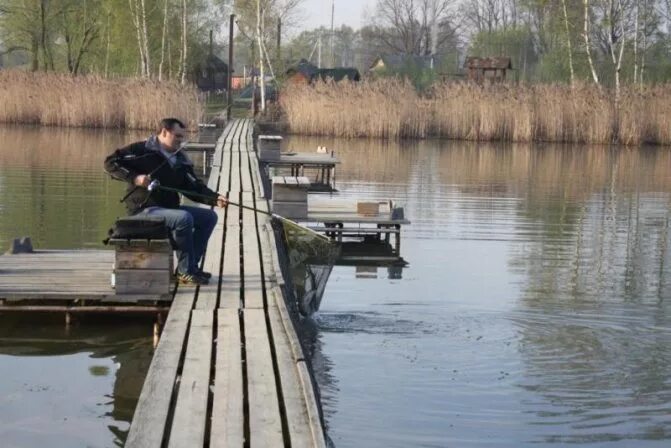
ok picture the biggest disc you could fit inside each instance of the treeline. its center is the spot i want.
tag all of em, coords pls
(161, 39)
(606, 42)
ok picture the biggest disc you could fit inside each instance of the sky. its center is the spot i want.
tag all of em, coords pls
(347, 12)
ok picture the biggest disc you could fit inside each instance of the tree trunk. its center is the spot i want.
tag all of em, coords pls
(35, 50)
(107, 47)
(568, 43)
(262, 83)
(617, 59)
(636, 43)
(134, 10)
(595, 77)
(165, 26)
(183, 68)
(145, 40)
(48, 62)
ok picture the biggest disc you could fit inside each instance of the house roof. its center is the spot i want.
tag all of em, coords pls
(495, 62)
(400, 61)
(212, 62)
(311, 72)
(305, 68)
(339, 73)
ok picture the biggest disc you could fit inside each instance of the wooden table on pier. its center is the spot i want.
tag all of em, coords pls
(229, 370)
(340, 218)
(297, 162)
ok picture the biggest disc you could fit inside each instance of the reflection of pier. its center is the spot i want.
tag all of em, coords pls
(121, 352)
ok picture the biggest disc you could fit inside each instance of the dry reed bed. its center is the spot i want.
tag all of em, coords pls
(54, 99)
(392, 108)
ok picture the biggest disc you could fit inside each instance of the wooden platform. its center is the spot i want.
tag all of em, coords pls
(62, 275)
(229, 370)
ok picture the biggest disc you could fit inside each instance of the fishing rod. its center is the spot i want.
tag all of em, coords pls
(154, 171)
(155, 185)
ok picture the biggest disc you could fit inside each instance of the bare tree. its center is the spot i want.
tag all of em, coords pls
(137, 24)
(79, 26)
(586, 37)
(568, 42)
(163, 39)
(184, 44)
(411, 26)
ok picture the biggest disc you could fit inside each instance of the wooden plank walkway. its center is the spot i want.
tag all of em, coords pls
(229, 370)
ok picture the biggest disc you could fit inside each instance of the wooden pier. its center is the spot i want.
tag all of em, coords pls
(229, 369)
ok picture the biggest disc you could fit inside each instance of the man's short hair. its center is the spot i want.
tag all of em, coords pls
(169, 124)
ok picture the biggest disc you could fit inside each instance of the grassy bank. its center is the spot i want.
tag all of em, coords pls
(554, 113)
(89, 101)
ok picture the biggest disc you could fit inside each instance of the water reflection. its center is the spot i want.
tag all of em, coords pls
(535, 307)
(53, 380)
(58, 388)
(53, 188)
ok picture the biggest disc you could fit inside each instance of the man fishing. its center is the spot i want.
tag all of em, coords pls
(160, 159)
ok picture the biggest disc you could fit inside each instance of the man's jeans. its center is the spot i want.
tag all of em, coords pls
(191, 228)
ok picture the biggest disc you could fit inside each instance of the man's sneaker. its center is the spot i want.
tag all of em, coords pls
(191, 279)
(204, 274)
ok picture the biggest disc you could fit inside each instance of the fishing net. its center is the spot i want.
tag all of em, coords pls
(311, 260)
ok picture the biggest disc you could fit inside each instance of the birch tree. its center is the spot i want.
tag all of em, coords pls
(184, 44)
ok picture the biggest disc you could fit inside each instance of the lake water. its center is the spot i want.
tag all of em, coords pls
(534, 309)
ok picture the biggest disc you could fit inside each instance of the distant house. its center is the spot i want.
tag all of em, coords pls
(339, 73)
(302, 73)
(305, 73)
(492, 69)
(211, 74)
(402, 62)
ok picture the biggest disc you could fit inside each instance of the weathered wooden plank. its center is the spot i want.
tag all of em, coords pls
(141, 281)
(253, 287)
(294, 405)
(189, 421)
(264, 413)
(245, 173)
(227, 412)
(235, 172)
(272, 245)
(225, 184)
(231, 270)
(235, 134)
(31, 295)
(309, 397)
(316, 427)
(150, 416)
(277, 299)
(138, 258)
(255, 171)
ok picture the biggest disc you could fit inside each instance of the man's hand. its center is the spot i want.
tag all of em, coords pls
(222, 202)
(143, 180)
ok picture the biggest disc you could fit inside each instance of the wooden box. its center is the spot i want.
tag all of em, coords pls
(142, 266)
(291, 210)
(290, 196)
(368, 208)
(269, 147)
(290, 189)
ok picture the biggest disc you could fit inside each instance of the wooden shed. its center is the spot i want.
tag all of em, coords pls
(211, 74)
(492, 69)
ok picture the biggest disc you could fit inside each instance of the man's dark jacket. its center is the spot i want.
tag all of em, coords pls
(141, 158)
